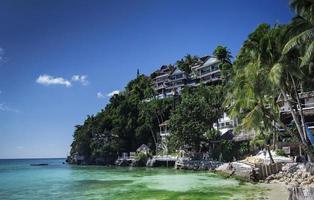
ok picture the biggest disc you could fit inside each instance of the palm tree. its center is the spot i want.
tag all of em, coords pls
(291, 73)
(251, 96)
(185, 63)
(302, 27)
(224, 56)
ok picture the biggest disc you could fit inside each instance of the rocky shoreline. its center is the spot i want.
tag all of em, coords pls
(297, 178)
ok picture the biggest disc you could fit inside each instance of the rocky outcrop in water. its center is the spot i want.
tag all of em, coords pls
(242, 170)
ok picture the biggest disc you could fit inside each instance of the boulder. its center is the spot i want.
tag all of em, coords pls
(309, 167)
(305, 183)
(294, 184)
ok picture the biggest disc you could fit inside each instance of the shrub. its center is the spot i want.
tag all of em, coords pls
(280, 152)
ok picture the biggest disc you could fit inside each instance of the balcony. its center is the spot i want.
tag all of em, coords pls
(164, 133)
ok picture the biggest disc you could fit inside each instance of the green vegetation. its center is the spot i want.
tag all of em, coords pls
(199, 109)
(132, 118)
(125, 123)
(185, 63)
(280, 152)
(274, 61)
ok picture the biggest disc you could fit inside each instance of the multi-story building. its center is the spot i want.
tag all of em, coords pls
(208, 72)
(176, 82)
(307, 104)
(161, 81)
(170, 80)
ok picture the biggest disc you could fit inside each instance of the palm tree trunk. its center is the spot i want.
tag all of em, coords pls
(303, 143)
(294, 116)
(270, 156)
(300, 108)
(305, 146)
(154, 137)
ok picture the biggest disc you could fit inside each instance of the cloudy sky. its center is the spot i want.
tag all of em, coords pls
(62, 60)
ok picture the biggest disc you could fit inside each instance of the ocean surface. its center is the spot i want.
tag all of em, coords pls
(20, 180)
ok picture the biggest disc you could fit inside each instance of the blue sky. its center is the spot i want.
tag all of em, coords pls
(59, 60)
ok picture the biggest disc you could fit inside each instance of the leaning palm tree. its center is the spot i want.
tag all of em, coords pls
(302, 27)
(251, 96)
(294, 68)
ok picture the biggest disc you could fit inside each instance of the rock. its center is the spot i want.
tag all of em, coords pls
(289, 175)
(300, 180)
(294, 184)
(290, 167)
(279, 175)
(274, 181)
(311, 179)
(305, 183)
(304, 175)
(271, 177)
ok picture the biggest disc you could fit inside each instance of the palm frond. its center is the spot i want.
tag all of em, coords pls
(308, 56)
(275, 74)
(300, 39)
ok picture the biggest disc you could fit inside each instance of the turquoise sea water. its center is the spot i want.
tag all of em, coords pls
(19, 180)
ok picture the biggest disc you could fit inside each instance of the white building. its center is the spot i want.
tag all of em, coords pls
(208, 71)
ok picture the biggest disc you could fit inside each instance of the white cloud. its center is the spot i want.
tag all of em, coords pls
(50, 80)
(82, 79)
(100, 95)
(5, 108)
(113, 93)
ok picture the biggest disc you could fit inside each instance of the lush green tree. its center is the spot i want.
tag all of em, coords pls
(267, 66)
(114, 129)
(199, 109)
(185, 63)
(252, 97)
(290, 74)
(224, 55)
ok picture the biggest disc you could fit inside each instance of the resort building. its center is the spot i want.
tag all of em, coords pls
(225, 123)
(307, 103)
(176, 81)
(160, 82)
(164, 131)
(170, 79)
(207, 72)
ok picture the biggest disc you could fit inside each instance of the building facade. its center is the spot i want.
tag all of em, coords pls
(173, 80)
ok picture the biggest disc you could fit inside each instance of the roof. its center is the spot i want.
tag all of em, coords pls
(210, 61)
(143, 147)
(165, 123)
(177, 71)
(244, 136)
(301, 95)
(226, 134)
